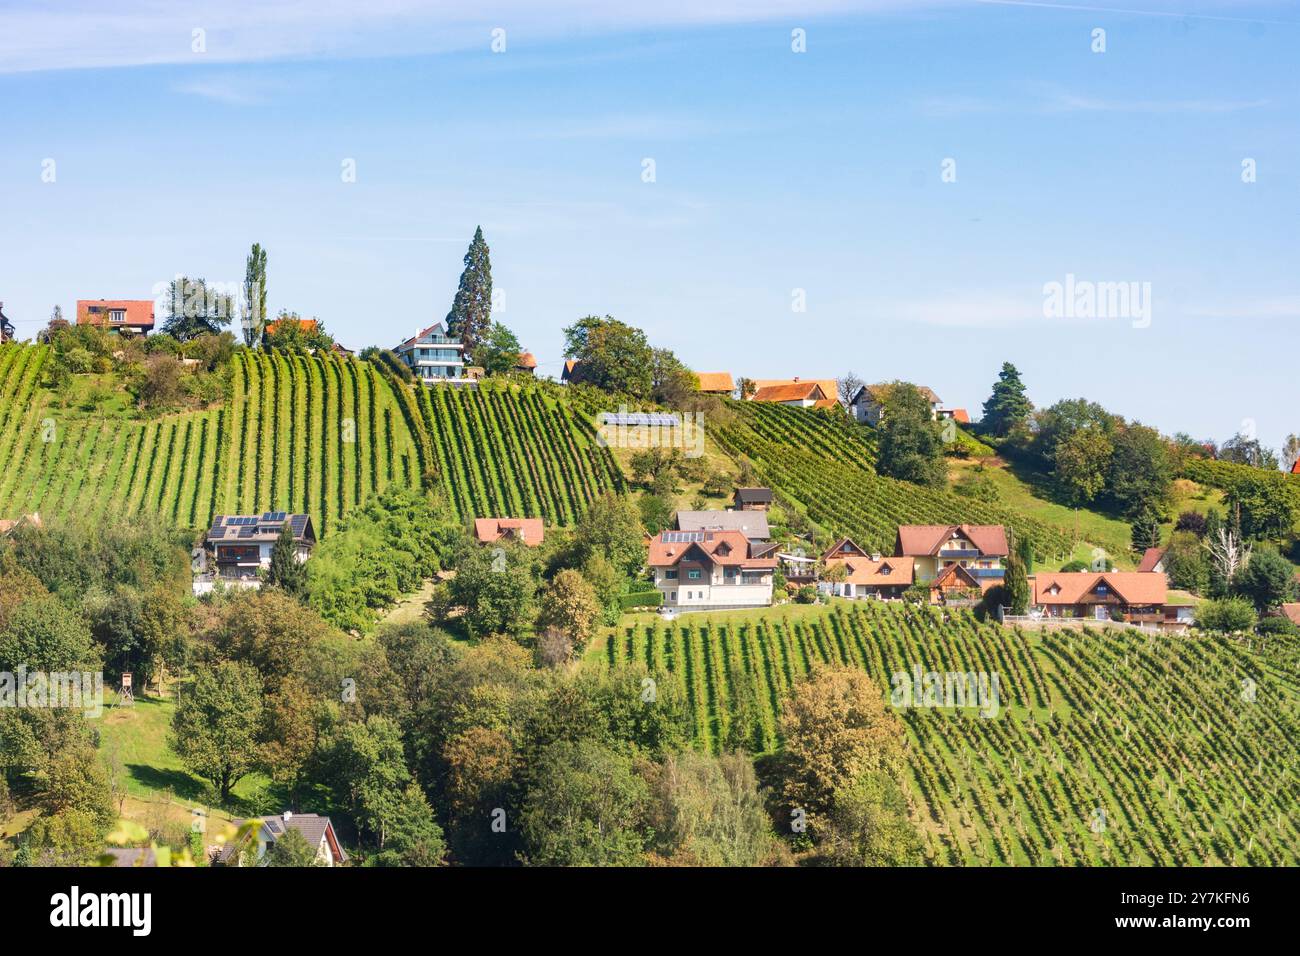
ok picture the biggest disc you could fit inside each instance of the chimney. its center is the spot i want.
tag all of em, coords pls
(875, 555)
(287, 816)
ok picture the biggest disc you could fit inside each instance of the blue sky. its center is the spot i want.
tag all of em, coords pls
(775, 171)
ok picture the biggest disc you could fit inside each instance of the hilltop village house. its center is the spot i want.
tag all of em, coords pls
(317, 830)
(716, 383)
(713, 570)
(434, 356)
(123, 316)
(7, 329)
(240, 546)
(868, 405)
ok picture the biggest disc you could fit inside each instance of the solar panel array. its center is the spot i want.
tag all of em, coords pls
(682, 537)
(661, 419)
(274, 516)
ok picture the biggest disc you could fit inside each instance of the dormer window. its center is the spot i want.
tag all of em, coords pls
(1054, 589)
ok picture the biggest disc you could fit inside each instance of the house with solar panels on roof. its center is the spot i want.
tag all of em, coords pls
(711, 570)
(238, 547)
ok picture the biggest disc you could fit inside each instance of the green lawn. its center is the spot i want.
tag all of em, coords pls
(138, 733)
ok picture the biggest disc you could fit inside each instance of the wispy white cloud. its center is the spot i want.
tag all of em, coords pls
(44, 35)
(1064, 102)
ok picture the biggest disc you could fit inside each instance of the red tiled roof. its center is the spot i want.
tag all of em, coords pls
(1150, 558)
(1131, 587)
(1295, 469)
(728, 548)
(925, 539)
(961, 415)
(526, 360)
(139, 312)
(528, 530)
(306, 325)
(793, 392)
(886, 571)
(1292, 612)
(715, 382)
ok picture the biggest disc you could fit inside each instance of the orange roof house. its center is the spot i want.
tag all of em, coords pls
(961, 415)
(717, 383)
(929, 539)
(1098, 594)
(526, 362)
(124, 315)
(795, 394)
(867, 575)
(1295, 469)
(528, 530)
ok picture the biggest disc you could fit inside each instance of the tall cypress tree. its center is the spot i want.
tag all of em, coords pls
(254, 315)
(470, 317)
(1008, 406)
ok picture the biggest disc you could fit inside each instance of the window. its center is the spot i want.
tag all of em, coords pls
(672, 596)
(693, 575)
(671, 574)
(117, 315)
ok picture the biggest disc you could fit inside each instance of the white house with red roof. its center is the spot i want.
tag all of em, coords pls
(712, 570)
(434, 357)
(124, 316)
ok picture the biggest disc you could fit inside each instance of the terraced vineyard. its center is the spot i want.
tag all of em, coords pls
(1114, 748)
(304, 434)
(826, 463)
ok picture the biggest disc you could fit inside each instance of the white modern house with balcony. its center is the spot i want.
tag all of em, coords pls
(434, 357)
(711, 570)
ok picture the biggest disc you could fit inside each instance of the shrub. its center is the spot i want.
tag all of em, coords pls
(1225, 614)
(1277, 625)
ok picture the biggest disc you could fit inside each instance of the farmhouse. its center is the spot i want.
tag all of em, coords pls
(528, 530)
(697, 570)
(752, 524)
(1133, 596)
(572, 373)
(796, 395)
(980, 550)
(434, 356)
(317, 830)
(865, 575)
(241, 544)
(123, 316)
(868, 402)
(526, 363)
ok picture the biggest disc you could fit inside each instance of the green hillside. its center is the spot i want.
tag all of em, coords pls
(299, 433)
(1184, 743)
